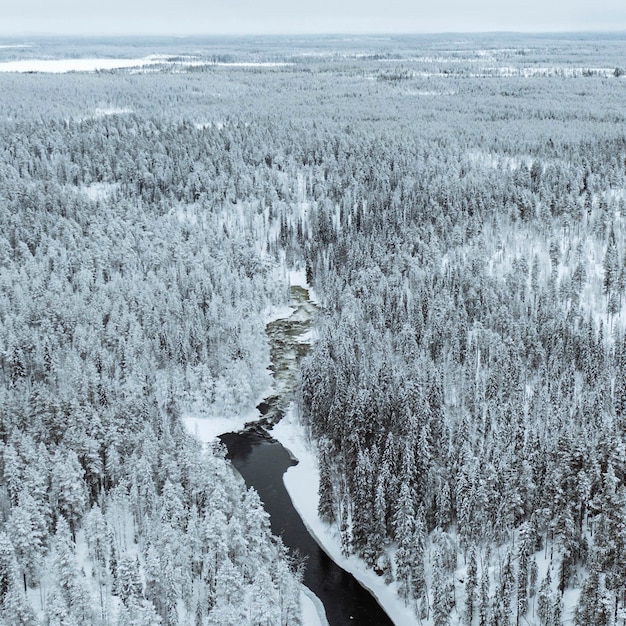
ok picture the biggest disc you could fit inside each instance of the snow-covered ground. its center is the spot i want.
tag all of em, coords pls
(313, 613)
(61, 66)
(208, 428)
(297, 278)
(99, 191)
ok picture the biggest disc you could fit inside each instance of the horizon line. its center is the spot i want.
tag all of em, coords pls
(174, 35)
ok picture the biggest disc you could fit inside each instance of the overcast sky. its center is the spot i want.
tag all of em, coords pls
(179, 17)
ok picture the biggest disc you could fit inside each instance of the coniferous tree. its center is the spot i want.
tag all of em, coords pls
(610, 265)
(483, 602)
(27, 531)
(471, 583)
(545, 601)
(325, 506)
(405, 534)
(442, 584)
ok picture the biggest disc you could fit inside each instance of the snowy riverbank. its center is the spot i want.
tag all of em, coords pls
(207, 430)
(302, 483)
(212, 421)
(208, 427)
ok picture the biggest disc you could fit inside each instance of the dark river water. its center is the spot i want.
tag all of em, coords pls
(262, 461)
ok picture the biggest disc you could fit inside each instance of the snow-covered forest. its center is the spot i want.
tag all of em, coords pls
(459, 207)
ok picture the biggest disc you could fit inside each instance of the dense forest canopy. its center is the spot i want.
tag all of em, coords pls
(459, 206)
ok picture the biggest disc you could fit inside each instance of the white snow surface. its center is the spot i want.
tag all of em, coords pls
(103, 112)
(208, 429)
(297, 278)
(99, 191)
(61, 66)
(313, 613)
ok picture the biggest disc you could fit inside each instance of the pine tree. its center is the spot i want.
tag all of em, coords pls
(325, 508)
(13, 469)
(14, 605)
(72, 590)
(610, 265)
(128, 580)
(501, 604)
(532, 578)
(523, 550)
(65, 559)
(444, 506)
(138, 612)
(404, 523)
(471, 583)
(379, 523)
(586, 607)
(98, 541)
(595, 604)
(27, 530)
(557, 611)
(362, 517)
(18, 369)
(16, 610)
(418, 576)
(545, 600)
(57, 613)
(8, 564)
(344, 528)
(483, 606)
(230, 606)
(444, 558)
(68, 487)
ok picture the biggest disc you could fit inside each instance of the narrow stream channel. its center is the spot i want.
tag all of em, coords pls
(262, 461)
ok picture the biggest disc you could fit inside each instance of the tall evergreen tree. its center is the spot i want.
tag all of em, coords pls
(471, 583)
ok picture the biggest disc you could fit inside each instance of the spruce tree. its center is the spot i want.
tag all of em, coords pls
(471, 583)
